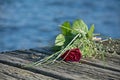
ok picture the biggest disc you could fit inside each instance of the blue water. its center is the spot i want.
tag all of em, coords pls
(27, 24)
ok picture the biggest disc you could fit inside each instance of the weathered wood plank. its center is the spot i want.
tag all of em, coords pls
(13, 73)
(4, 76)
(20, 63)
(64, 70)
(112, 60)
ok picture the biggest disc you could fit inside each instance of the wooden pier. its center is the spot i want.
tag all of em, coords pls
(13, 67)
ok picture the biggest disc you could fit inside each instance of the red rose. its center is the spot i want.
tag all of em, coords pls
(73, 55)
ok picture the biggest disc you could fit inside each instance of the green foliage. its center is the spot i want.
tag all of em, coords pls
(79, 27)
(75, 36)
(66, 29)
(60, 39)
(69, 32)
(83, 41)
(90, 32)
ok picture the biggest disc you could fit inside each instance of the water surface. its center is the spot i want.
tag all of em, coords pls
(34, 23)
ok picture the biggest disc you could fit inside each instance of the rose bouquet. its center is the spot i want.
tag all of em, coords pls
(73, 43)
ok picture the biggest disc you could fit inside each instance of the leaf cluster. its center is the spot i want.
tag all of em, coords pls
(83, 41)
(75, 35)
(69, 31)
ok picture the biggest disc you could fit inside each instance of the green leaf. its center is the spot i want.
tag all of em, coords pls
(56, 48)
(90, 32)
(79, 27)
(68, 39)
(65, 28)
(60, 39)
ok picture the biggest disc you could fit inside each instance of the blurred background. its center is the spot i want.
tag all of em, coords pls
(28, 24)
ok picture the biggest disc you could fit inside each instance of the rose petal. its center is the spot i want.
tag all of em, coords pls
(73, 55)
